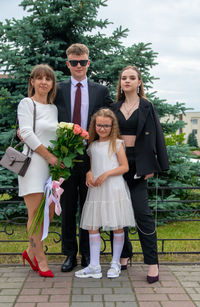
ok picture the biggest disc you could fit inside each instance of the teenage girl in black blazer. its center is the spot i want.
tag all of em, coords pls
(146, 152)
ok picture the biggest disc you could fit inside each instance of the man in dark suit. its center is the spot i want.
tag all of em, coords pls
(77, 99)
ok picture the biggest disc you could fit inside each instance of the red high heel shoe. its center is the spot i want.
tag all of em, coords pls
(26, 257)
(42, 273)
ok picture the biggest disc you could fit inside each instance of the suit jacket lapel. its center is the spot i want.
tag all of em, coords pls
(91, 95)
(67, 99)
(143, 111)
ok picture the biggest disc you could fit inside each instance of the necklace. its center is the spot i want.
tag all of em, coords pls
(128, 110)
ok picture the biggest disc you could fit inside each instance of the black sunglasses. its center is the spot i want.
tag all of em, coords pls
(74, 63)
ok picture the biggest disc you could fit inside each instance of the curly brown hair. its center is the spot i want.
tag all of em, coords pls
(114, 134)
(120, 93)
(40, 70)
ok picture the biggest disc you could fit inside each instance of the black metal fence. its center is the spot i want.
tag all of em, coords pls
(13, 214)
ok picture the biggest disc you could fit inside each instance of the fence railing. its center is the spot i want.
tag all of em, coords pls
(13, 215)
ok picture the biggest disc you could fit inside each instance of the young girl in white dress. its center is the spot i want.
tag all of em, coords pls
(108, 204)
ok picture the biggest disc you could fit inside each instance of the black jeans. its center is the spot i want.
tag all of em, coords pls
(142, 212)
(75, 191)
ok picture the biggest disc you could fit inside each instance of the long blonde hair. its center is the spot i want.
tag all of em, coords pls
(40, 70)
(120, 93)
(114, 134)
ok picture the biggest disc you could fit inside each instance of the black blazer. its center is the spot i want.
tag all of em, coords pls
(150, 150)
(98, 97)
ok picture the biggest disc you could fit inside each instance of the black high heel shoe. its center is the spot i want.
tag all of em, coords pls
(124, 266)
(152, 279)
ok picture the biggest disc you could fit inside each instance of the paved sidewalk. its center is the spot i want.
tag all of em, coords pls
(179, 286)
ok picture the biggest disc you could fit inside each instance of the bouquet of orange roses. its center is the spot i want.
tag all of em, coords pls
(69, 144)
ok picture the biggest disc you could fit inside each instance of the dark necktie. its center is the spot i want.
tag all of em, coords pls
(77, 105)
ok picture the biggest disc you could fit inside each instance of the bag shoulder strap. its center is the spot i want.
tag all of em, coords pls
(34, 120)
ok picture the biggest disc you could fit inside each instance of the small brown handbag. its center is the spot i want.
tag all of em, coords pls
(14, 160)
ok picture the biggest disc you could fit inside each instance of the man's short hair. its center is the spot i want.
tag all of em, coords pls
(77, 49)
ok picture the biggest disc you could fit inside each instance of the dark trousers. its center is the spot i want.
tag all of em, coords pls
(143, 215)
(75, 191)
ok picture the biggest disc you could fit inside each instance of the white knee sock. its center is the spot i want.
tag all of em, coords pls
(118, 243)
(95, 245)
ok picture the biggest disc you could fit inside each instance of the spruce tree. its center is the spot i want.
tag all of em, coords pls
(43, 37)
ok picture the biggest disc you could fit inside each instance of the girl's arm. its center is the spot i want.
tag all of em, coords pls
(121, 169)
(51, 159)
(89, 177)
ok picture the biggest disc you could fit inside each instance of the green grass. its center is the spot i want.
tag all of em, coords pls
(176, 230)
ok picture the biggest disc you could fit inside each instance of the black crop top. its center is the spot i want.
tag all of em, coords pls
(127, 126)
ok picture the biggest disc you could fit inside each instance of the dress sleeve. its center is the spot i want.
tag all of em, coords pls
(25, 113)
(118, 144)
(88, 150)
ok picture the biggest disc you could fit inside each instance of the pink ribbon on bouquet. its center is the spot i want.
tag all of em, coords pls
(57, 193)
(53, 192)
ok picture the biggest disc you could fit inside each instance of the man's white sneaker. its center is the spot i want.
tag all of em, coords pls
(89, 271)
(115, 270)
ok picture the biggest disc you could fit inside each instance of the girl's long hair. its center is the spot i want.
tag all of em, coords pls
(40, 70)
(120, 94)
(114, 134)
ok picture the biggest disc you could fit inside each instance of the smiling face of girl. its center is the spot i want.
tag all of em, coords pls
(103, 128)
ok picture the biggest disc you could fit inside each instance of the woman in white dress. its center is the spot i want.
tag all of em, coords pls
(41, 90)
(108, 204)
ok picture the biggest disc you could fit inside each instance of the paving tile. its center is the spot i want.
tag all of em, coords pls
(87, 284)
(59, 298)
(110, 304)
(38, 285)
(145, 290)
(139, 284)
(152, 297)
(189, 284)
(122, 290)
(170, 283)
(25, 305)
(9, 292)
(10, 285)
(97, 291)
(32, 299)
(97, 298)
(53, 305)
(150, 304)
(88, 304)
(177, 304)
(119, 298)
(7, 298)
(81, 298)
(179, 297)
(127, 304)
(78, 290)
(195, 297)
(56, 291)
(30, 291)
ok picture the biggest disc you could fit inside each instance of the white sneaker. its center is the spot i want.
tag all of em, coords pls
(89, 271)
(115, 270)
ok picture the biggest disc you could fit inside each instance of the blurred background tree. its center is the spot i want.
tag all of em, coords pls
(192, 140)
